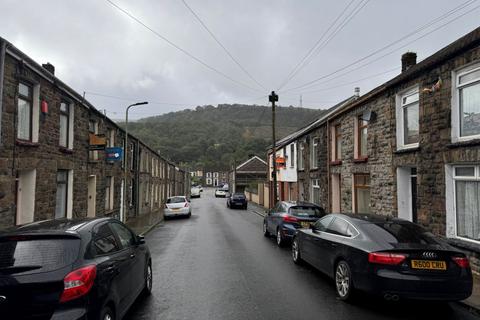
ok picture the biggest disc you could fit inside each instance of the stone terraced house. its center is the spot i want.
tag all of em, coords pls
(48, 168)
(408, 148)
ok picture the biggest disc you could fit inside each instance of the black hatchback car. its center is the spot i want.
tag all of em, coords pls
(237, 200)
(72, 269)
(390, 257)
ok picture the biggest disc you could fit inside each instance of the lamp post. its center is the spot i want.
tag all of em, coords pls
(125, 164)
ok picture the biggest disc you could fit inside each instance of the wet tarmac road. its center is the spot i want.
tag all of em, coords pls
(218, 265)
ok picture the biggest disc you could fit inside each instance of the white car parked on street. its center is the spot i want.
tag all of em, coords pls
(177, 206)
(220, 193)
(195, 192)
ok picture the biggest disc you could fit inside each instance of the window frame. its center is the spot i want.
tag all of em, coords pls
(340, 235)
(459, 86)
(455, 178)
(67, 129)
(360, 186)
(67, 177)
(28, 99)
(300, 162)
(95, 238)
(400, 117)
(292, 155)
(337, 136)
(361, 124)
(314, 153)
(314, 185)
(455, 102)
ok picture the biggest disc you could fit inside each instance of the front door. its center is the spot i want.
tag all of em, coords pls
(91, 194)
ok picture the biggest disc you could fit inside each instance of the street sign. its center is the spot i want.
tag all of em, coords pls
(113, 154)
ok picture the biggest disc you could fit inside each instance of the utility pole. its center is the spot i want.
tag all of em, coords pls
(273, 98)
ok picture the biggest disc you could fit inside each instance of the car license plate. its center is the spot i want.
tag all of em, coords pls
(429, 264)
(175, 209)
(305, 224)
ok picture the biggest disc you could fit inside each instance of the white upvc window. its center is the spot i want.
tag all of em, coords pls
(466, 104)
(314, 153)
(300, 156)
(408, 119)
(315, 192)
(463, 208)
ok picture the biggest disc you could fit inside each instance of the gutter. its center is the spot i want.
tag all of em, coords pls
(3, 49)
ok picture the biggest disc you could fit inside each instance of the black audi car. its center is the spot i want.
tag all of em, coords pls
(237, 200)
(72, 269)
(394, 258)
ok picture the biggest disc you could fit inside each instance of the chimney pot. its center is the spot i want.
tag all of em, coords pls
(357, 91)
(49, 67)
(409, 59)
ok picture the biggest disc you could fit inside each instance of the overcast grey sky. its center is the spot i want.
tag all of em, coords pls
(97, 48)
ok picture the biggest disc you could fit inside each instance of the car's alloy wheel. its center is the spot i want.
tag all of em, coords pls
(296, 252)
(279, 238)
(148, 279)
(265, 229)
(343, 281)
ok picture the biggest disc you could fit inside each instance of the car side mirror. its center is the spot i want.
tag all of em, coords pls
(141, 239)
(314, 229)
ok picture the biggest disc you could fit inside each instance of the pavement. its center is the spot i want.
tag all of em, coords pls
(218, 265)
(144, 223)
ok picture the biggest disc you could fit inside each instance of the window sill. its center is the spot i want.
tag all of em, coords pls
(336, 163)
(360, 160)
(469, 143)
(109, 212)
(407, 150)
(25, 143)
(65, 150)
(313, 169)
(467, 245)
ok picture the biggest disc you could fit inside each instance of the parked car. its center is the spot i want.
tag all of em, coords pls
(287, 216)
(195, 192)
(237, 200)
(200, 187)
(177, 206)
(72, 269)
(386, 256)
(220, 193)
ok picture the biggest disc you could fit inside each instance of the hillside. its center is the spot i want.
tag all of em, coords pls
(213, 137)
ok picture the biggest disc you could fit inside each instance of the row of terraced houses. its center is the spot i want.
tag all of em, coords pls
(408, 148)
(54, 158)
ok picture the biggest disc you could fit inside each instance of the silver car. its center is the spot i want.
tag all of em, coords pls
(178, 206)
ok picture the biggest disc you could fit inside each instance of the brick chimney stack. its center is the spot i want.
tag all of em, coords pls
(49, 67)
(409, 59)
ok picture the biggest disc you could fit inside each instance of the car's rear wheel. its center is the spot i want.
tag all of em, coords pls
(265, 229)
(343, 281)
(296, 256)
(245, 207)
(280, 240)
(147, 290)
(107, 314)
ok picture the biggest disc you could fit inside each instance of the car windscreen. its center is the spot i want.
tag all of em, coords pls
(399, 232)
(37, 255)
(176, 200)
(306, 211)
(238, 196)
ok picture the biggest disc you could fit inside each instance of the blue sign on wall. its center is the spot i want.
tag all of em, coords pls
(114, 154)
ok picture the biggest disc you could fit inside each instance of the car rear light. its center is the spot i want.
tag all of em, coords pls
(166, 207)
(186, 205)
(462, 262)
(78, 283)
(386, 258)
(288, 218)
